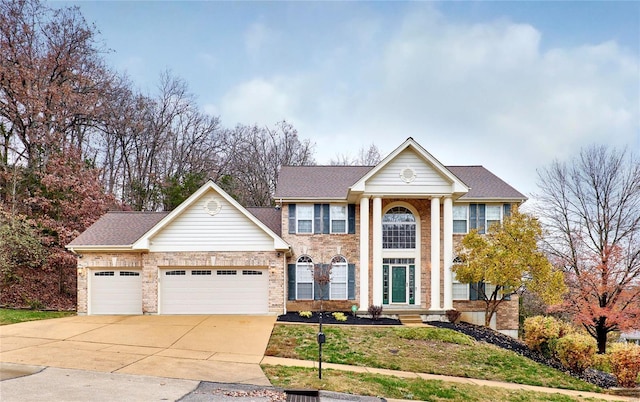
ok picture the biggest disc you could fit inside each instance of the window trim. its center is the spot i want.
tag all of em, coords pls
(342, 264)
(485, 226)
(415, 223)
(305, 206)
(346, 218)
(308, 266)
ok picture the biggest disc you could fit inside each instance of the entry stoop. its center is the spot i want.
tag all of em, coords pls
(410, 319)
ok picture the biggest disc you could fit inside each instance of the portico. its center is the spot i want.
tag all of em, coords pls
(398, 268)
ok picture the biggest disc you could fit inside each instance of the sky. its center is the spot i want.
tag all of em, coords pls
(511, 86)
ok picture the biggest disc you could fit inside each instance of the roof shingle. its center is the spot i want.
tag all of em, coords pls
(271, 217)
(118, 228)
(318, 181)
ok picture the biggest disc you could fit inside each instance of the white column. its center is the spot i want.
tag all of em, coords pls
(435, 253)
(377, 251)
(364, 253)
(448, 252)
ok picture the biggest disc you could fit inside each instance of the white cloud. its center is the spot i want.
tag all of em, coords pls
(258, 37)
(470, 93)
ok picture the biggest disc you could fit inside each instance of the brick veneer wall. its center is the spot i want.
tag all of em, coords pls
(150, 263)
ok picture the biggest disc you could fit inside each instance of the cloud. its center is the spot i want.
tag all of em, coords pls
(258, 37)
(483, 93)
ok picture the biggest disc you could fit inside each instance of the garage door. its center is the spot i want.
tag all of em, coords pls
(214, 291)
(115, 292)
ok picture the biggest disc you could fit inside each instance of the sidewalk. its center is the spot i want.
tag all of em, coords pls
(472, 381)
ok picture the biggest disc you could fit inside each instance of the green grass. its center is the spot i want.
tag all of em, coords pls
(417, 349)
(8, 316)
(399, 388)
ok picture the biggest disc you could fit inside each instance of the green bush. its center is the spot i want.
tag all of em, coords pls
(540, 333)
(602, 362)
(305, 314)
(625, 364)
(575, 351)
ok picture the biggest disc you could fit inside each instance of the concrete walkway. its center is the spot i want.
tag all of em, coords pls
(461, 380)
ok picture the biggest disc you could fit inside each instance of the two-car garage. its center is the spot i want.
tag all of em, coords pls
(182, 291)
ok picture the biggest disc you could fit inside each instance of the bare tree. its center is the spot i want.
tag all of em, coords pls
(253, 159)
(365, 157)
(590, 209)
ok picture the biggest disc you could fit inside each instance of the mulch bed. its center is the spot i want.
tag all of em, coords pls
(484, 334)
(327, 318)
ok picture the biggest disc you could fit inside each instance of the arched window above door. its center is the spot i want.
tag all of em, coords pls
(399, 229)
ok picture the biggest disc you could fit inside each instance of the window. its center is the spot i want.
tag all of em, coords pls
(201, 272)
(398, 229)
(251, 272)
(226, 272)
(105, 273)
(338, 285)
(304, 278)
(305, 218)
(493, 215)
(460, 218)
(175, 273)
(338, 218)
(129, 273)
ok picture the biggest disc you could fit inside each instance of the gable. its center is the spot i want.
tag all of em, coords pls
(407, 172)
(211, 223)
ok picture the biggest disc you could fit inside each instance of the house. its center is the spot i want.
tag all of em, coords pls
(387, 231)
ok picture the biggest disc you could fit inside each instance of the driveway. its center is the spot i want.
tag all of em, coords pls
(204, 348)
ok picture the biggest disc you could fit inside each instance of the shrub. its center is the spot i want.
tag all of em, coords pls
(339, 316)
(602, 362)
(625, 364)
(305, 314)
(540, 331)
(375, 312)
(575, 351)
(453, 315)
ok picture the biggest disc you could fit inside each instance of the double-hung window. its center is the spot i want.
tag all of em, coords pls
(460, 214)
(304, 278)
(338, 218)
(493, 215)
(338, 285)
(305, 218)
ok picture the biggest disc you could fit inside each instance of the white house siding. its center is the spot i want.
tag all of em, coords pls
(196, 230)
(427, 178)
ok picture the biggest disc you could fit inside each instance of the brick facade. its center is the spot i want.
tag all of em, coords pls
(151, 263)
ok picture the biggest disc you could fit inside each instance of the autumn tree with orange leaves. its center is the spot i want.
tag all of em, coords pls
(590, 209)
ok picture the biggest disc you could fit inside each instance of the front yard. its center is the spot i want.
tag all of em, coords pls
(415, 349)
(10, 316)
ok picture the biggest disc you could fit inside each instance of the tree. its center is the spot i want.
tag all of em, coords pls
(254, 156)
(590, 209)
(506, 261)
(365, 157)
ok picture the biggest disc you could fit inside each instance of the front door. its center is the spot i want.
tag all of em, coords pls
(399, 284)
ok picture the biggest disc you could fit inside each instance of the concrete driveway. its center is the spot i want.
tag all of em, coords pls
(206, 348)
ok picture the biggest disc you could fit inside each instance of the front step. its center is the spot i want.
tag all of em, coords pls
(410, 319)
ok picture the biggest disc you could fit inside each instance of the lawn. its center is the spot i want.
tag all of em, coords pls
(400, 388)
(8, 316)
(417, 349)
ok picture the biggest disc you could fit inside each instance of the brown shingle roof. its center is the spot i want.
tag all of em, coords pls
(118, 228)
(324, 182)
(318, 181)
(271, 217)
(484, 184)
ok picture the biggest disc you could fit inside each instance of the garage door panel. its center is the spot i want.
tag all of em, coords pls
(115, 292)
(224, 291)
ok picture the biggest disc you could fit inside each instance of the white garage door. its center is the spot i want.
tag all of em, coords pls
(115, 292)
(214, 291)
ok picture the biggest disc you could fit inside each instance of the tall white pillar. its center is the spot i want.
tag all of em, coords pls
(377, 251)
(364, 253)
(448, 252)
(435, 253)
